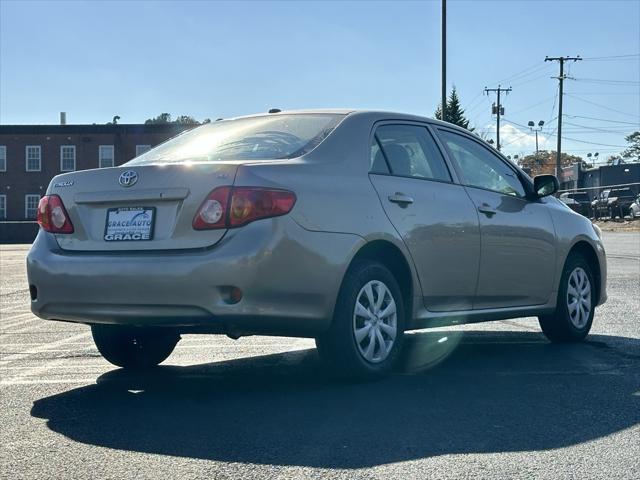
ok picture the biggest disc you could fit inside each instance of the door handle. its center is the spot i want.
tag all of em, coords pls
(487, 210)
(401, 199)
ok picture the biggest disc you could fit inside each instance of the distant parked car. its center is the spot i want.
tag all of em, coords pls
(613, 203)
(634, 209)
(578, 202)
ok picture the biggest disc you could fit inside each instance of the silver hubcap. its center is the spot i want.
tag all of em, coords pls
(579, 297)
(375, 324)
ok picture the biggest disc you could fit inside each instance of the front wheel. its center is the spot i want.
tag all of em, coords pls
(366, 335)
(575, 306)
(134, 347)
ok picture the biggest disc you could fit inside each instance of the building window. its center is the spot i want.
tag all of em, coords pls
(33, 158)
(31, 206)
(3, 207)
(140, 149)
(105, 156)
(67, 158)
(3, 158)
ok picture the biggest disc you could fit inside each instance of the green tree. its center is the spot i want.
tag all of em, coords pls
(162, 118)
(633, 150)
(166, 118)
(545, 162)
(455, 112)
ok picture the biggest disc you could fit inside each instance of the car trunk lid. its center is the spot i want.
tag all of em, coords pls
(148, 207)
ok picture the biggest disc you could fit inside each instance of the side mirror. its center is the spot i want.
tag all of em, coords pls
(545, 185)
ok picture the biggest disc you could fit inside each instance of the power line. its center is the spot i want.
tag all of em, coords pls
(602, 106)
(612, 57)
(635, 92)
(606, 81)
(604, 120)
(536, 67)
(539, 102)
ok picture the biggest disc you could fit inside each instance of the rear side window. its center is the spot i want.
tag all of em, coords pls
(378, 163)
(269, 137)
(410, 151)
(480, 167)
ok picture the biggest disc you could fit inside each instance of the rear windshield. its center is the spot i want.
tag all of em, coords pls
(255, 138)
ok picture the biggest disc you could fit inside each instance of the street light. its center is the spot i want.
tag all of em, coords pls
(533, 128)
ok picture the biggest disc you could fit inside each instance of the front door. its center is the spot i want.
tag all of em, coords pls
(435, 217)
(518, 238)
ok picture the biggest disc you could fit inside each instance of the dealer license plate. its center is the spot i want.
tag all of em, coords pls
(131, 224)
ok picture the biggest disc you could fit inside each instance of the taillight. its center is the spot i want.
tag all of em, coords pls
(228, 207)
(52, 216)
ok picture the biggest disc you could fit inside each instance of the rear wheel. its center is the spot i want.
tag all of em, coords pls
(366, 334)
(134, 347)
(575, 306)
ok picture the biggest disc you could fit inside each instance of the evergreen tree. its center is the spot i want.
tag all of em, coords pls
(455, 113)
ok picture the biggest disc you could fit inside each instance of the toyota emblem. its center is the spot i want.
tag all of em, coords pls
(128, 178)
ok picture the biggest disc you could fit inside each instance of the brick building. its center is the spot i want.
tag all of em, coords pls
(31, 155)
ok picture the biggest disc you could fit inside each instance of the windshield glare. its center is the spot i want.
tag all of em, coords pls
(255, 138)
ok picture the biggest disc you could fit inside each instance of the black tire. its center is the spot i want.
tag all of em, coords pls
(339, 348)
(134, 347)
(559, 326)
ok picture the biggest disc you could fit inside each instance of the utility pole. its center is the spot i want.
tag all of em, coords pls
(444, 61)
(497, 109)
(560, 78)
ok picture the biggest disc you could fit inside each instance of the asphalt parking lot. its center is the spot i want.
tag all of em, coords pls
(493, 400)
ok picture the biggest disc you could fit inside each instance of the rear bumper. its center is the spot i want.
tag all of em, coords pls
(289, 278)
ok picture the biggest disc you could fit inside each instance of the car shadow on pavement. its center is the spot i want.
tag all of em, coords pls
(474, 392)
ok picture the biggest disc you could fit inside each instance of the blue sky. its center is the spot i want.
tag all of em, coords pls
(212, 59)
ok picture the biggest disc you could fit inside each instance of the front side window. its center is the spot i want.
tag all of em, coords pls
(105, 156)
(410, 151)
(67, 158)
(480, 167)
(3, 207)
(33, 158)
(269, 137)
(3, 158)
(31, 206)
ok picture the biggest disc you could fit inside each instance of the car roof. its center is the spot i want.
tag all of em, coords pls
(380, 114)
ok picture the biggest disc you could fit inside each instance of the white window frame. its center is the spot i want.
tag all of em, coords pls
(140, 147)
(100, 156)
(3, 207)
(26, 158)
(62, 148)
(3, 158)
(26, 206)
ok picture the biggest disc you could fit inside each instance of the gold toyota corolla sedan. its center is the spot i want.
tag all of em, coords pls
(349, 227)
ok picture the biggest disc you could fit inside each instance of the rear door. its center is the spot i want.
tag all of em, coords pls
(518, 237)
(434, 216)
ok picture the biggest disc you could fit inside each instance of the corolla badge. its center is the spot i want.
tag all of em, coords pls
(128, 178)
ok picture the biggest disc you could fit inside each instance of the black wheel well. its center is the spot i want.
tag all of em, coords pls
(586, 251)
(391, 257)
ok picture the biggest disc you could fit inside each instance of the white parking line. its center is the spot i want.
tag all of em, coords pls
(16, 324)
(44, 348)
(5, 318)
(53, 381)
